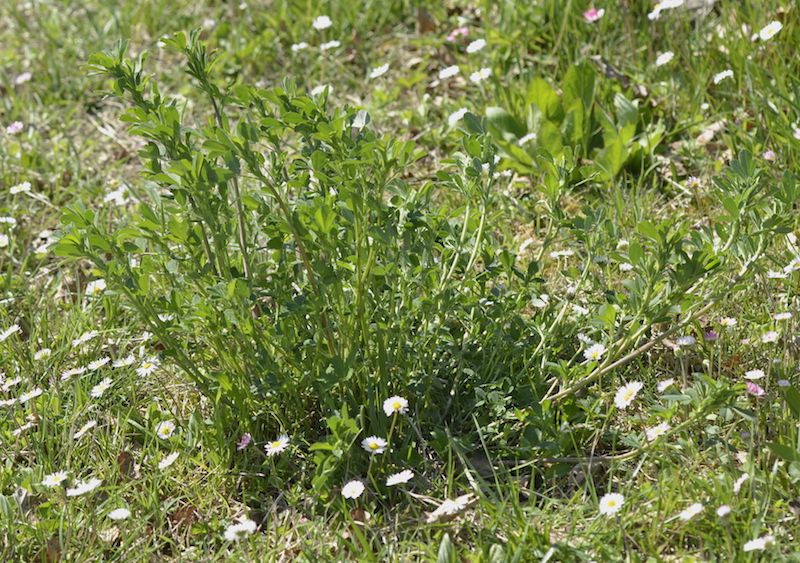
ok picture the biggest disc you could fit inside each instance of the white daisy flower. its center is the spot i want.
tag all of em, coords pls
(782, 316)
(277, 446)
(770, 337)
(759, 544)
(54, 479)
(97, 364)
(723, 511)
(98, 390)
(448, 72)
(96, 287)
(395, 405)
(240, 530)
(664, 58)
(625, 267)
(42, 354)
(664, 385)
(353, 489)
(449, 508)
(456, 116)
(728, 322)
(656, 431)
(83, 487)
(84, 429)
(302, 46)
(399, 478)
(119, 514)
(24, 187)
(626, 394)
(23, 78)
(65, 375)
(9, 383)
(85, 337)
(169, 460)
(4, 241)
(165, 429)
(23, 428)
(330, 45)
(124, 362)
(148, 367)
(794, 264)
(32, 394)
(663, 5)
(594, 352)
(579, 310)
(13, 329)
(770, 30)
(379, 71)
(719, 77)
(737, 485)
(687, 340)
(476, 45)
(754, 374)
(480, 75)
(117, 197)
(691, 511)
(319, 90)
(374, 445)
(611, 503)
(321, 22)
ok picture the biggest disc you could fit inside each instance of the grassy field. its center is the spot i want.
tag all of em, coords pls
(393, 280)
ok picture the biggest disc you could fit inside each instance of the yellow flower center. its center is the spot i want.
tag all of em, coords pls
(374, 446)
(276, 444)
(397, 405)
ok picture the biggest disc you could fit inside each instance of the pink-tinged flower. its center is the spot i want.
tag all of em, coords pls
(711, 336)
(244, 441)
(456, 33)
(754, 389)
(15, 128)
(23, 78)
(769, 156)
(593, 14)
(693, 183)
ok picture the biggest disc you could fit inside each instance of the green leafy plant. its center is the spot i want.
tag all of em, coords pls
(291, 266)
(283, 258)
(574, 123)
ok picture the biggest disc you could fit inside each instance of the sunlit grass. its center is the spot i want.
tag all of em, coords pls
(535, 306)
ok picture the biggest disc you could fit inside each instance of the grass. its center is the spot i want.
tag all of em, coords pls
(400, 258)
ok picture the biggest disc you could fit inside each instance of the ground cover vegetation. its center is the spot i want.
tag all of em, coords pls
(393, 280)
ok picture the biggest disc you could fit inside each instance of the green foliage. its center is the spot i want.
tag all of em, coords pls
(298, 260)
(288, 265)
(541, 123)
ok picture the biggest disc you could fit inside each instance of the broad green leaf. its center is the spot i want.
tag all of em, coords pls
(784, 452)
(504, 121)
(579, 85)
(544, 97)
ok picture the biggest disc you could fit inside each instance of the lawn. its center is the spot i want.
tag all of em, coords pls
(393, 280)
